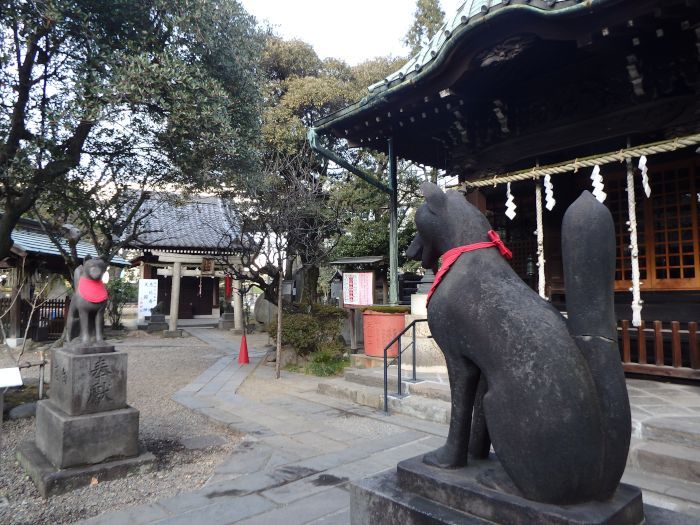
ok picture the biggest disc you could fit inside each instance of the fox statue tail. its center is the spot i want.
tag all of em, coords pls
(588, 249)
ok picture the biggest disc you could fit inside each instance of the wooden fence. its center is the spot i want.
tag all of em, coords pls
(47, 322)
(668, 349)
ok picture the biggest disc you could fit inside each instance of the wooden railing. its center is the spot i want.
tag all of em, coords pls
(658, 348)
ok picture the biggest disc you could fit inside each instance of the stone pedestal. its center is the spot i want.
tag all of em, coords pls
(227, 321)
(88, 383)
(156, 323)
(417, 493)
(85, 429)
(71, 441)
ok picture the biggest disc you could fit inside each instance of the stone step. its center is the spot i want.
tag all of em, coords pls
(370, 377)
(423, 388)
(434, 410)
(665, 492)
(365, 361)
(682, 430)
(675, 461)
(431, 390)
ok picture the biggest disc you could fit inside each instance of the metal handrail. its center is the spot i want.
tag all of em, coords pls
(397, 359)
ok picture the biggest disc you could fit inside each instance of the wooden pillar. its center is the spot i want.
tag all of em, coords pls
(478, 199)
(238, 318)
(353, 330)
(175, 296)
(16, 314)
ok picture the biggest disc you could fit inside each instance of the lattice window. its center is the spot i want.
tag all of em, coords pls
(674, 209)
(667, 226)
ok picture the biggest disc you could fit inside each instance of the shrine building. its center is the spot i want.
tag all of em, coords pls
(529, 102)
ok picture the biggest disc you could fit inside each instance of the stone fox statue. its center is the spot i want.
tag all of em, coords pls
(549, 393)
(89, 301)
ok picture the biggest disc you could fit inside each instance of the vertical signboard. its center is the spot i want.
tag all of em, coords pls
(358, 289)
(148, 296)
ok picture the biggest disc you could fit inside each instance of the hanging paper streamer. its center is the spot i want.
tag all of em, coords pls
(510, 204)
(598, 187)
(549, 200)
(645, 175)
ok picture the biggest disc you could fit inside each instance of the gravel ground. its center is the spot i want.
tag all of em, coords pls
(157, 368)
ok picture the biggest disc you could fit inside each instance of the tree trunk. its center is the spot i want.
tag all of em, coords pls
(9, 220)
(289, 268)
(279, 327)
(310, 291)
(271, 291)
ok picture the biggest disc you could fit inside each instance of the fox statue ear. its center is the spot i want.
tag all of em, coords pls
(434, 196)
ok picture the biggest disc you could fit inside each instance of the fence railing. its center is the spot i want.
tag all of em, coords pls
(400, 350)
(660, 348)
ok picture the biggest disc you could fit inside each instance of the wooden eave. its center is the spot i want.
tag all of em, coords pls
(425, 110)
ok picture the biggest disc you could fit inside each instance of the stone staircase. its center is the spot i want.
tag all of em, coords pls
(427, 399)
(664, 458)
(665, 462)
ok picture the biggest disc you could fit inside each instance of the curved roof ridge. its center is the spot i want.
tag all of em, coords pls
(462, 17)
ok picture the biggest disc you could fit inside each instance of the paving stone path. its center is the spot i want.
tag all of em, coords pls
(300, 449)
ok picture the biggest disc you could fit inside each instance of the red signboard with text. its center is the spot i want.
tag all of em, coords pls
(358, 289)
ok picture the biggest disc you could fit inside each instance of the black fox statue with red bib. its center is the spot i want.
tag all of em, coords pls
(548, 393)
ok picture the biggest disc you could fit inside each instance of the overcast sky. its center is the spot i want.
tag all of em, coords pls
(353, 30)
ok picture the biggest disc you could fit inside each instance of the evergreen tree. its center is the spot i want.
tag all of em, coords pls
(427, 19)
(163, 90)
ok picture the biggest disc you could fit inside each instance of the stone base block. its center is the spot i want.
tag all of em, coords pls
(172, 333)
(51, 481)
(152, 328)
(418, 493)
(225, 325)
(93, 347)
(71, 441)
(14, 342)
(88, 383)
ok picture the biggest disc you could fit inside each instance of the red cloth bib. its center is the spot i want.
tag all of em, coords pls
(451, 256)
(91, 290)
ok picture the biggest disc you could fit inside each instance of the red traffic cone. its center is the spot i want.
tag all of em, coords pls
(243, 352)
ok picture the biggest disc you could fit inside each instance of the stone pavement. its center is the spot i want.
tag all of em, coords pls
(301, 447)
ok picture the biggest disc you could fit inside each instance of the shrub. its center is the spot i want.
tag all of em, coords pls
(119, 293)
(302, 331)
(328, 362)
(307, 332)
